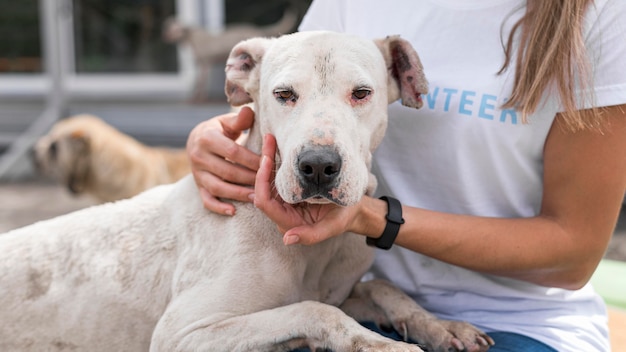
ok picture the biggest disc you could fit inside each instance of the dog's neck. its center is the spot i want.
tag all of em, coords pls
(254, 141)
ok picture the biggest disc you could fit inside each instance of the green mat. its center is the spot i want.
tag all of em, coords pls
(609, 281)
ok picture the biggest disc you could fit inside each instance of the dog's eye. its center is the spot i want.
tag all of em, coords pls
(285, 95)
(361, 93)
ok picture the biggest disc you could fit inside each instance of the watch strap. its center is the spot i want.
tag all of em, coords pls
(394, 220)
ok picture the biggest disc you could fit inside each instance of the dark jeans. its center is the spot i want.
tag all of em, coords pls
(505, 341)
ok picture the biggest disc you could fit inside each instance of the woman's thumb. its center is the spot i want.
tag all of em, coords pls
(243, 120)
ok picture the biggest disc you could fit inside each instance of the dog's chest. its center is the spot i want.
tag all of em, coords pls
(245, 254)
(331, 281)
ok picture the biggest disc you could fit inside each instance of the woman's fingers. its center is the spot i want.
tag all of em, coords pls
(284, 215)
(328, 226)
(219, 188)
(236, 123)
(264, 197)
(224, 144)
(215, 205)
(222, 168)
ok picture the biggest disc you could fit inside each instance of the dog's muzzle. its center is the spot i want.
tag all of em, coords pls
(318, 172)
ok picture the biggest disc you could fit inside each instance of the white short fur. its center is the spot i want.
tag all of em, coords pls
(159, 272)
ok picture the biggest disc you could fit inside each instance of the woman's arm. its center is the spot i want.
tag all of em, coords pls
(584, 183)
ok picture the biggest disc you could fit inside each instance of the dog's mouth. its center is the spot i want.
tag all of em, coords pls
(318, 200)
(321, 200)
(313, 212)
(319, 175)
(321, 196)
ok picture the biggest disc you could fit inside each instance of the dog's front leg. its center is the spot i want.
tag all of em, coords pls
(386, 305)
(311, 324)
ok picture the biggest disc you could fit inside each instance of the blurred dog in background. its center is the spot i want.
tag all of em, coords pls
(210, 49)
(89, 156)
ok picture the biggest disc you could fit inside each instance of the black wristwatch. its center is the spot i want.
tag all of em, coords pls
(394, 220)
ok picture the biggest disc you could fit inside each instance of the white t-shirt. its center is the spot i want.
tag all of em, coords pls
(462, 154)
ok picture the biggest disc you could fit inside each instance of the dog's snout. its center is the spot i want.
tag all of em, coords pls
(319, 166)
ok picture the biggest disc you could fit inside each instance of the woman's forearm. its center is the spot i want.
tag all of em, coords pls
(535, 249)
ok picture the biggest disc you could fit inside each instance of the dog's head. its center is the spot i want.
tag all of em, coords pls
(64, 153)
(324, 96)
(173, 31)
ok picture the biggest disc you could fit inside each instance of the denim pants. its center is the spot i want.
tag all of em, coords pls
(505, 341)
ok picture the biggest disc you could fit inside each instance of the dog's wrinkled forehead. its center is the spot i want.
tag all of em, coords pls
(390, 62)
(329, 59)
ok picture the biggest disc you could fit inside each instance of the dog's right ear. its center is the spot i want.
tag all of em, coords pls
(406, 79)
(242, 70)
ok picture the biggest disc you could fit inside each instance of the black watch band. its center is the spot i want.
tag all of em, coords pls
(394, 220)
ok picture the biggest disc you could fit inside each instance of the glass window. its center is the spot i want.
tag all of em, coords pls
(121, 36)
(20, 41)
(262, 13)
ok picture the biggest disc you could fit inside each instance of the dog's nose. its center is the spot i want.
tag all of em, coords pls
(319, 166)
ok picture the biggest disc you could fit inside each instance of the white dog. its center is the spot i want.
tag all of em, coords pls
(159, 272)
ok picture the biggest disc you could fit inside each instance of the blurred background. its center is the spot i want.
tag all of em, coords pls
(118, 60)
(109, 58)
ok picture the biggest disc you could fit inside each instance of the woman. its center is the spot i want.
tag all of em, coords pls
(511, 177)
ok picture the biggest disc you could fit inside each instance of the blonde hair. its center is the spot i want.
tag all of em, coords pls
(551, 53)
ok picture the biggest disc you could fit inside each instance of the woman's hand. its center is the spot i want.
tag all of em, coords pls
(221, 167)
(300, 223)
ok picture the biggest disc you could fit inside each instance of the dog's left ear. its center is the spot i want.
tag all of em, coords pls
(242, 70)
(405, 79)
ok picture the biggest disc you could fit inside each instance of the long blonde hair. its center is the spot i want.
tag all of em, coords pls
(551, 52)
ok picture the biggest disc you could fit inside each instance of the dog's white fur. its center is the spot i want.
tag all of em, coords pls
(158, 271)
(89, 156)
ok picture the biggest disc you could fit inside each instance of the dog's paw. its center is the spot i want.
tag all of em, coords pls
(471, 339)
(444, 335)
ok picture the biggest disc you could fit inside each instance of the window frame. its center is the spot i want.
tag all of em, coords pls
(208, 13)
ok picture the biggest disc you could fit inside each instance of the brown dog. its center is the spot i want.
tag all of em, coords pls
(90, 156)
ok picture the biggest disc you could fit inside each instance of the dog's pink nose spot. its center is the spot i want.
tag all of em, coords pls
(321, 136)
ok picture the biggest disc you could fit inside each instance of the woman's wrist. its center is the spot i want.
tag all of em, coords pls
(370, 218)
(392, 228)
